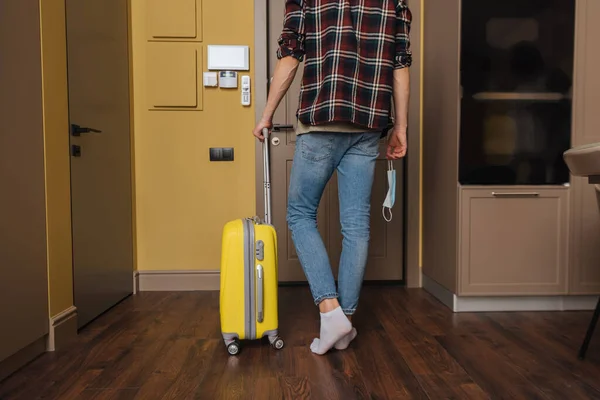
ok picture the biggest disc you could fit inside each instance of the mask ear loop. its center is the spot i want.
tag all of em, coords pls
(385, 215)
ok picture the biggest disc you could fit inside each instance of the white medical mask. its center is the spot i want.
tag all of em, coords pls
(390, 198)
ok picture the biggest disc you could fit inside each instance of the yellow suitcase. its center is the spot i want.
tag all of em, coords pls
(249, 283)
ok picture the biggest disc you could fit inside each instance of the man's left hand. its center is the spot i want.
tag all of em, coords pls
(396, 148)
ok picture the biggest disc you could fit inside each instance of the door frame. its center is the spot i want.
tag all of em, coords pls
(412, 164)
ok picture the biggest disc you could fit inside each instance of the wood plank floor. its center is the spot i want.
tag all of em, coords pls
(168, 346)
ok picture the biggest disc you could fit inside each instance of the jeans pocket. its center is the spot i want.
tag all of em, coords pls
(369, 144)
(316, 146)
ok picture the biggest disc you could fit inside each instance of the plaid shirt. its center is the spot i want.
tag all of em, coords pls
(350, 49)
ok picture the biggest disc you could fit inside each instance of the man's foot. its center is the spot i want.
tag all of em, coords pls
(334, 326)
(344, 342)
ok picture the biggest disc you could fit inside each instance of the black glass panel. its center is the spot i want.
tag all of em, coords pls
(516, 77)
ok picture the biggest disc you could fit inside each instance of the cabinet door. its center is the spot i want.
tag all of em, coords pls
(513, 241)
(516, 78)
(23, 250)
(584, 267)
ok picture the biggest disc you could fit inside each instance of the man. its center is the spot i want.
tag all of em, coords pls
(356, 55)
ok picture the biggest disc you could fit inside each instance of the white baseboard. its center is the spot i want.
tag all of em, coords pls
(63, 329)
(174, 281)
(507, 303)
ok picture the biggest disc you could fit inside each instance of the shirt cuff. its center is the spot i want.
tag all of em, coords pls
(290, 46)
(402, 60)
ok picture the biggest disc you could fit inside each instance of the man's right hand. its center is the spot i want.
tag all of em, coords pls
(397, 146)
(262, 124)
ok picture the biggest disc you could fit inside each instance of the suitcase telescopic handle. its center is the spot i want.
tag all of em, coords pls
(267, 176)
(260, 296)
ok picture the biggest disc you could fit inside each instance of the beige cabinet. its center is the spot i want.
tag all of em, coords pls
(513, 241)
(505, 226)
(584, 262)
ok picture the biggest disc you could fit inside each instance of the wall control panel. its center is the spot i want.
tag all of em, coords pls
(245, 90)
(228, 79)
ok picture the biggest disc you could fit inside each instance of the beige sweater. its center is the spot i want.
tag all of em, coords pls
(331, 127)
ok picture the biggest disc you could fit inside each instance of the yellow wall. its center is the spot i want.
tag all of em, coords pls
(56, 142)
(182, 199)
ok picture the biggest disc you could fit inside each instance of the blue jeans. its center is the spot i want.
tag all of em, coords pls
(316, 157)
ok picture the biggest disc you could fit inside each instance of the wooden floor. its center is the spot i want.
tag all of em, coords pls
(168, 346)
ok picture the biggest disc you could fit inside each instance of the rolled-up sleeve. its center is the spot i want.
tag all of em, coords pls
(291, 40)
(403, 56)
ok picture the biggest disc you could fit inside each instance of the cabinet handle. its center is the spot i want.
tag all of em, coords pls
(516, 194)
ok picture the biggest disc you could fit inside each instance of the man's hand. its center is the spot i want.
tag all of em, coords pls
(396, 144)
(258, 130)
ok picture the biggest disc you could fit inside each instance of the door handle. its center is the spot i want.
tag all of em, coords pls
(77, 130)
(279, 127)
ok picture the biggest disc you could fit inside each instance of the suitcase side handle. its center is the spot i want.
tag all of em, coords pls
(267, 176)
(260, 294)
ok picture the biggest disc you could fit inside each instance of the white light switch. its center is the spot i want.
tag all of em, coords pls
(210, 79)
(228, 58)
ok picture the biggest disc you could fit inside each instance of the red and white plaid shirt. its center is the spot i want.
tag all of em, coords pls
(350, 49)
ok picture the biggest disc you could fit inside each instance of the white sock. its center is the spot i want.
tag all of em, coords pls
(334, 326)
(344, 342)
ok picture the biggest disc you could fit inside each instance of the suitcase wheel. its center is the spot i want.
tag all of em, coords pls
(233, 348)
(277, 343)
